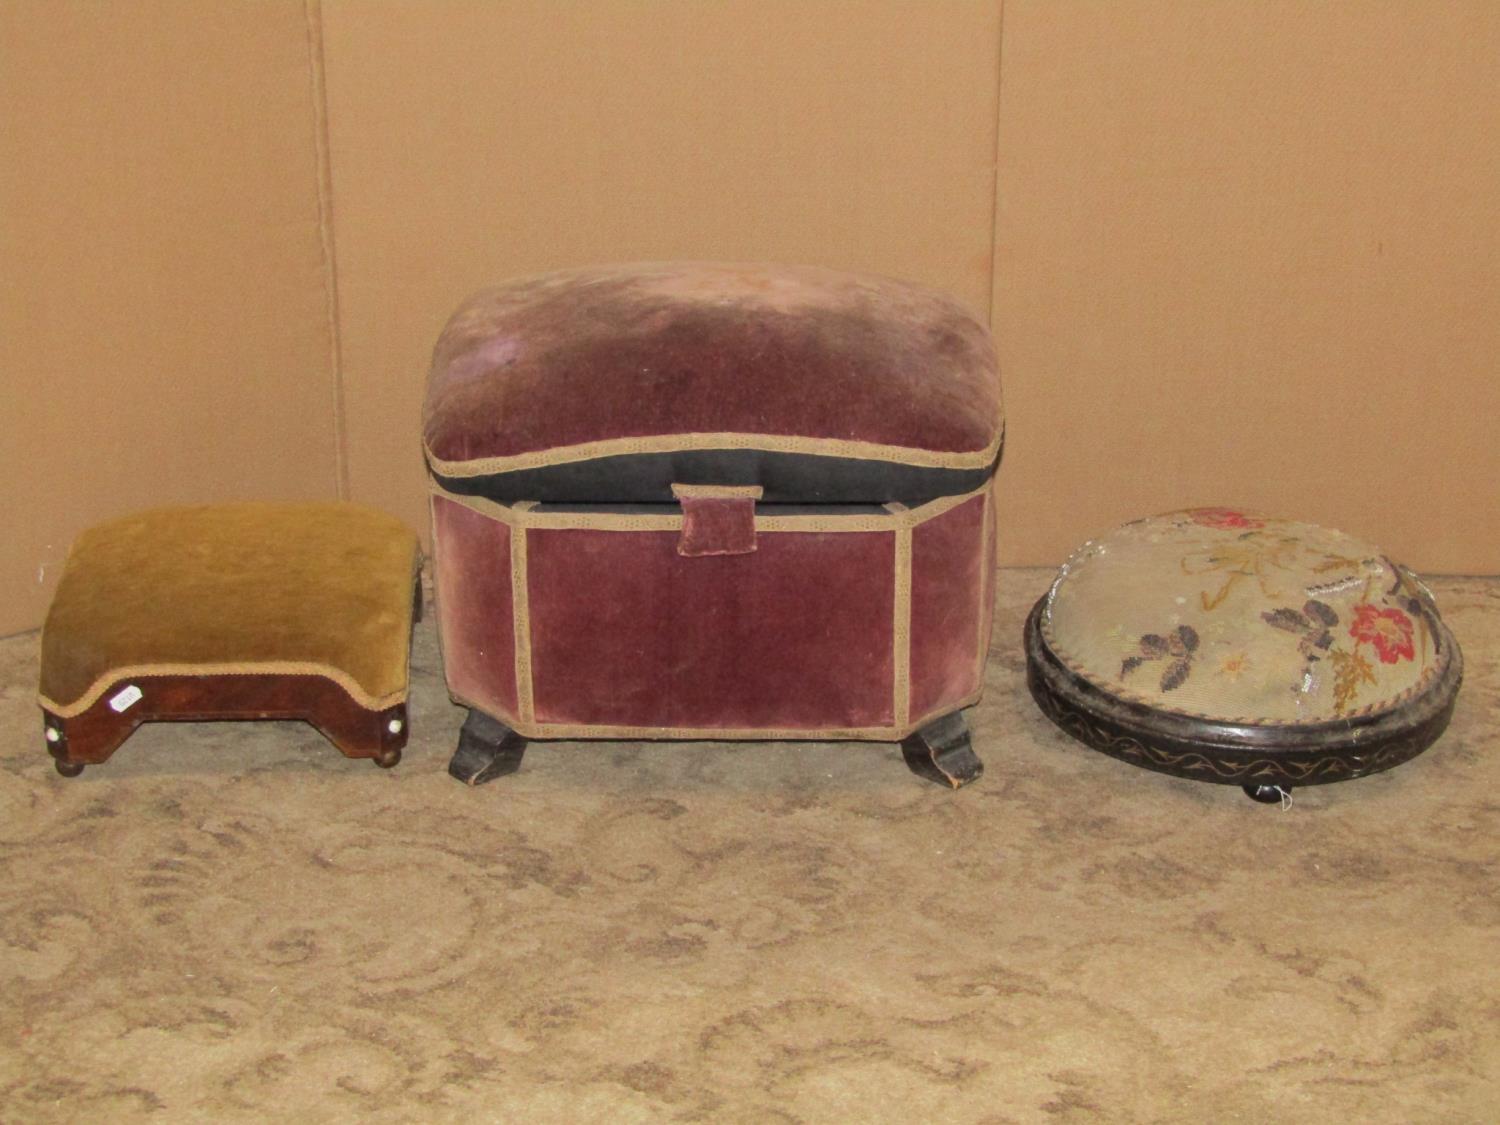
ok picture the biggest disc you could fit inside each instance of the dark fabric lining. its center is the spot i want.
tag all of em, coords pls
(603, 509)
(788, 478)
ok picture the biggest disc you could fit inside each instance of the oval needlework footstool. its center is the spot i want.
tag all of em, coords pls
(232, 611)
(1240, 649)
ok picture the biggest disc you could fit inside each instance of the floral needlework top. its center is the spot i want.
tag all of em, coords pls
(1232, 616)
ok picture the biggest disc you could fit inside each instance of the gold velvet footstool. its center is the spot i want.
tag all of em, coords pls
(232, 611)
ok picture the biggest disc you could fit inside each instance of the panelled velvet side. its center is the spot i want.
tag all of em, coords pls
(990, 561)
(796, 635)
(476, 616)
(949, 607)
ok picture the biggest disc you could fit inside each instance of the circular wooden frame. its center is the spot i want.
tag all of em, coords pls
(1255, 757)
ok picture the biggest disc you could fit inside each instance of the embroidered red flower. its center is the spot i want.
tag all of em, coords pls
(1225, 518)
(1389, 630)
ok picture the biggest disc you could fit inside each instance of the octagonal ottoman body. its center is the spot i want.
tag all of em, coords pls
(704, 501)
(1237, 648)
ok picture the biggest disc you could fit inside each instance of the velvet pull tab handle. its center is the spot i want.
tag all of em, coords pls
(716, 520)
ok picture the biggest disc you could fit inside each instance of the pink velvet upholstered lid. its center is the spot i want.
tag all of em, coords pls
(815, 384)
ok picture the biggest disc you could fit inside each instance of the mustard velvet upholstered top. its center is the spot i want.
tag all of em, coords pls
(299, 588)
(1241, 618)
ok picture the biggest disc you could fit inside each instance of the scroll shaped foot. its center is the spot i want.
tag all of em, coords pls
(941, 752)
(487, 749)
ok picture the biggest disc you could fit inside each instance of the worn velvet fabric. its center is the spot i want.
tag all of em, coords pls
(323, 588)
(760, 369)
(693, 387)
(953, 559)
(716, 525)
(596, 624)
(626, 631)
(476, 614)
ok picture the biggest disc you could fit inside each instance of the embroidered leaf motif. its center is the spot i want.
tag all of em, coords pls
(1188, 636)
(1288, 619)
(1350, 670)
(1179, 645)
(1153, 647)
(1312, 627)
(1176, 673)
(1320, 612)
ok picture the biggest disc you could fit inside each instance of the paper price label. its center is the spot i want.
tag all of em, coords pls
(126, 698)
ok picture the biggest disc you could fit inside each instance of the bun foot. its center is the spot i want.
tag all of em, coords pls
(68, 769)
(1268, 794)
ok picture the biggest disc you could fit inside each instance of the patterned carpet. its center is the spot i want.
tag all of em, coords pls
(235, 923)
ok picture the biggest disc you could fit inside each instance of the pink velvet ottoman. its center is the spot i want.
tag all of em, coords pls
(706, 501)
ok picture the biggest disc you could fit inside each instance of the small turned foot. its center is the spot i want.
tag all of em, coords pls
(56, 734)
(487, 749)
(1268, 794)
(388, 757)
(941, 752)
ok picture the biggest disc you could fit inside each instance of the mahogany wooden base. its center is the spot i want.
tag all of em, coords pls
(92, 736)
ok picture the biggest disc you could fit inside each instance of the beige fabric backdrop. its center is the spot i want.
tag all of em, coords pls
(1250, 254)
(1233, 253)
(509, 138)
(164, 331)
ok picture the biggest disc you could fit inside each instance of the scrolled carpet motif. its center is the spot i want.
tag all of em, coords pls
(234, 923)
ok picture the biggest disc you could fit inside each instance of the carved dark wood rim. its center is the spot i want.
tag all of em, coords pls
(1314, 754)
